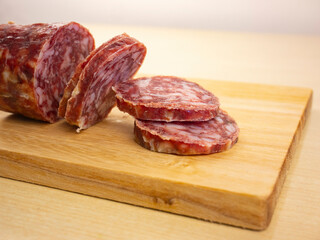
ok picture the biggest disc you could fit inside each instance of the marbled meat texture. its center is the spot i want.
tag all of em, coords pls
(36, 62)
(166, 98)
(88, 97)
(188, 138)
(75, 78)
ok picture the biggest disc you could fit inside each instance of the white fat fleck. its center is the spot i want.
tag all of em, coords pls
(214, 136)
(230, 128)
(75, 91)
(175, 126)
(40, 95)
(123, 67)
(6, 75)
(102, 108)
(135, 55)
(183, 133)
(164, 146)
(133, 96)
(56, 94)
(169, 115)
(58, 24)
(152, 145)
(80, 124)
(73, 26)
(24, 95)
(32, 64)
(91, 98)
(46, 51)
(66, 58)
(218, 119)
(145, 97)
(205, 97)
(5, 95)
(84, 44)
(228, 144)
(143, 84)
(9, 76)
(23, 76)
(145, 139)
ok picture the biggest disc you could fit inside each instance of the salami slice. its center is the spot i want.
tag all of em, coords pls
(75, 78)
(188, 138)
(166, 98)
(36, 62)
(92, 98)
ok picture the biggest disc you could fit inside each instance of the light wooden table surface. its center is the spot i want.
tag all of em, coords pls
(29, 211)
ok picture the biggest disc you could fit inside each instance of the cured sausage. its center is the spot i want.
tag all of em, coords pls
(36, 62)
(188, 138)
(75, 78)
(166, 98)
(92, 98)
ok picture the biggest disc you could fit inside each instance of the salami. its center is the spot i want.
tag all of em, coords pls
(36, 62)
(75, 78)
(166, 98)
(188, 138)
(92, 98)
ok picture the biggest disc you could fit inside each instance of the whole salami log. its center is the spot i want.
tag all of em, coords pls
(92, 98)
(166, 98)
(188, 138)
(36, 62)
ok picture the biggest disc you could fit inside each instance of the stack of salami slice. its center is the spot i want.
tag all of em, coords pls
(176, 116)
(52, 71)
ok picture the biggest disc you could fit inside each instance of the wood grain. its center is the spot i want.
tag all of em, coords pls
(238, 187)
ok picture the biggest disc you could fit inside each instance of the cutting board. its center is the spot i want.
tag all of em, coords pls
(239, 187)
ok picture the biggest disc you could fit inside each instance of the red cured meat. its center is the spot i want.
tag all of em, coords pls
(75, 78)
(188, 138)
(92, 97)
(36, 62)
(166, 98)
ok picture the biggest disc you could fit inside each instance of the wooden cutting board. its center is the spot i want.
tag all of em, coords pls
(238, 187)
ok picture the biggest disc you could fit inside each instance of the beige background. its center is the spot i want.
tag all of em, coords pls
(284, 16)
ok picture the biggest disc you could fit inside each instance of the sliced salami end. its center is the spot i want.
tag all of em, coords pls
(75, 78)
(92, 98)
(188, 138)
(36, 62)
(166, 98)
